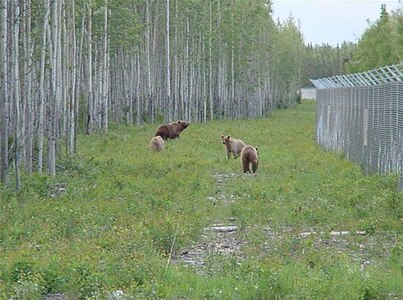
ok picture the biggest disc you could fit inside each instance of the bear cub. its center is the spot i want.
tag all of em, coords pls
(249, 156)
(157, 144)
(232, 145)
(171, 130)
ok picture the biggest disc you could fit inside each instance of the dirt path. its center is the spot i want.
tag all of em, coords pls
(222, 240)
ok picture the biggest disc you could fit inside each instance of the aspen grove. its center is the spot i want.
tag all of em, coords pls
(70, 67)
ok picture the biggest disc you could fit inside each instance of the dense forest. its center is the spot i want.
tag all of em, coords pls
(70, 67)
(381, 44)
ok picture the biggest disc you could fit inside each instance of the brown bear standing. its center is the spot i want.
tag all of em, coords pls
(233, 146)
(249, 155)
(157, 144)
(171, 130)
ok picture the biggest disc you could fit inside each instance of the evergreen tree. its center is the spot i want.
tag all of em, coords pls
(380, 45)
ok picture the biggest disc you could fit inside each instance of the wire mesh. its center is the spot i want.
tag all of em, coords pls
(361, 115)
(374, 77)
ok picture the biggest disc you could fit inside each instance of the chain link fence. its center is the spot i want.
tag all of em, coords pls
(361, 115)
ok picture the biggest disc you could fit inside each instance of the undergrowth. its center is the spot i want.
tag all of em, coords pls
(124, 211)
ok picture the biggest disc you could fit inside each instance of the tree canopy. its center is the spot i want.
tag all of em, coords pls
(75, 66)
(381, 44)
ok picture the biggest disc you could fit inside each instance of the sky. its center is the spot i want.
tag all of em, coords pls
(331, 21)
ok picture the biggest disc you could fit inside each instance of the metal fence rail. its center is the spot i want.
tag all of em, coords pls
(369, 78)
(362, 116)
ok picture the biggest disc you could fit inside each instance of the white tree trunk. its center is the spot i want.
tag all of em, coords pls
(55, 55)
(210, 92)
(16, 31)
(148, 101)
(29, 110)
(138, 83)
(188, 72)
(41, 116)
(203, 80)
(90, 101)
(72, 112)
(4, 100)
(105, 74)
(168, 65)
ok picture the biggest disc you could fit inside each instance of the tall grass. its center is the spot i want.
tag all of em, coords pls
(114, 226)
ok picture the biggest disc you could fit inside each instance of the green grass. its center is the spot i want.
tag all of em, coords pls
(114, 227)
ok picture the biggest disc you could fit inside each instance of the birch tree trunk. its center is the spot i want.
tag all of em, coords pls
(168, 105)
(138, 83)
(79, 77)
(72, 106)
(105, 74)
(4, 100)
(16, 31)
(175, 93)
(56, 92)
(188, 72)
(222, 94)
(28, 70)
(41, 116)
(149, 94)
(232, 99)
(90, 98)
(210, 92)
(60, 82)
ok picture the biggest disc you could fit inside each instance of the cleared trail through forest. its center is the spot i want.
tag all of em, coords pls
(220, 240)
(223, 239)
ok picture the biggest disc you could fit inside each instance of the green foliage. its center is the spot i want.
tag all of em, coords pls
(125, 25)
(124, 206)
(287, 51)
(381, 43)
(325, 61)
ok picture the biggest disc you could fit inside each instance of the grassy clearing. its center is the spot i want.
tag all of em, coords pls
(114, 227)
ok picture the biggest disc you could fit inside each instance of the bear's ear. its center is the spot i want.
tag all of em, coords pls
(257, 149)
(222, 136)
(178, 121)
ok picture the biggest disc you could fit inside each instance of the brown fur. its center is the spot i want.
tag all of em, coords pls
(232, 145)
(171, 130)
(249, 155)
(157, 144)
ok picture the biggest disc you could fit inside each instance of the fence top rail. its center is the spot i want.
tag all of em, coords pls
(373, 77)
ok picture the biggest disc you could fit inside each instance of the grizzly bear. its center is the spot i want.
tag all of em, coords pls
(171, 130)
(249, 155)
(157, 144)
(232, 145)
